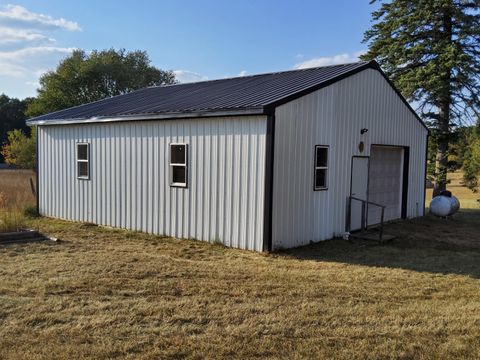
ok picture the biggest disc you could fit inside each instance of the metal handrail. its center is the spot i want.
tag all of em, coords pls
(364, 225)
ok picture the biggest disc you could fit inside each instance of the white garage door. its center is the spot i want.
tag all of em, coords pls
(385, 182)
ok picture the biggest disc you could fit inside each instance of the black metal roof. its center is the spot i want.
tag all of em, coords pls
(255, 94)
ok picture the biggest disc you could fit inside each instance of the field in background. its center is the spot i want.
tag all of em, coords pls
(15, 189)
(15, 195)
(468, 199)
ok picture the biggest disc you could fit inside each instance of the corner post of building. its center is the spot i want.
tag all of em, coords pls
(268, 204)
(37, 176)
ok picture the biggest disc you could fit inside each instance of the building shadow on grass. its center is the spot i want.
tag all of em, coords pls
(428, 244)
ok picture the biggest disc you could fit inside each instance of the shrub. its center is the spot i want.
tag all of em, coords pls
(19, 150)
(30, 211)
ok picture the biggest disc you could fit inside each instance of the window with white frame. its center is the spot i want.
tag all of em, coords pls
(321, 167)
(178, 165)
(83, 161)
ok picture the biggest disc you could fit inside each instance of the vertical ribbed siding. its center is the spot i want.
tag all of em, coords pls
(334, 116)
(129, 179)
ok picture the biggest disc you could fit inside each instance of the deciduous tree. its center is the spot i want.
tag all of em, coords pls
(20, 149)
(83, 78)
(12, 116)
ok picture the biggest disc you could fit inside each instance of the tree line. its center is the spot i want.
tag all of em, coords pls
(430, 49)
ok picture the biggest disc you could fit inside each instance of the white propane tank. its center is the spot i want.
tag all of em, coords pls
(444, 205)
(441, 206)
(455, 205)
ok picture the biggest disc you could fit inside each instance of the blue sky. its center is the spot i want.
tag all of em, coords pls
(197, 39)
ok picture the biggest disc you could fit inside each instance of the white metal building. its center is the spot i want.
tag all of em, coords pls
(260, 162)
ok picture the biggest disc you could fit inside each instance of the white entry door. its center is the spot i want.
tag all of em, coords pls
(385, 186)
(358, 189)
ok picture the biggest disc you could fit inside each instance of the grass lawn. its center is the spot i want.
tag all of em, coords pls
(102, 293)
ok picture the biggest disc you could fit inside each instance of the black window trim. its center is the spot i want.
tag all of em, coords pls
(83, 160)
(326, 168)
(171, 165)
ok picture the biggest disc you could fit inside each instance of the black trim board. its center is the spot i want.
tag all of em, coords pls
(37, 168)
(406, 165)
(268, 203)
(425, 175)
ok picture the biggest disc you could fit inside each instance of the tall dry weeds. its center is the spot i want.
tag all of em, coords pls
(15, 196)
(15, 187)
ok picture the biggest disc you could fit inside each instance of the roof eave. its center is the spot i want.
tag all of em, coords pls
(270, 108)
(260, 110)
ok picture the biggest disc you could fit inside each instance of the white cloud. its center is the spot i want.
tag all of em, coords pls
(186, 76)
(243, 73)
(34, 84)
(27, 48)
(12, 36)
(33, 51)
(329, 60)
(16, 15)
(31, 60)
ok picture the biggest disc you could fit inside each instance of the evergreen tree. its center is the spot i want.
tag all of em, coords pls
(471, 157)
(431, 50)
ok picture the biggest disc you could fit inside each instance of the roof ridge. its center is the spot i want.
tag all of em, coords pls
(264, 91)
(262, 74)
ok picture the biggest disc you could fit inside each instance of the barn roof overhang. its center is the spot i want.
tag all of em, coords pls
(149, 117)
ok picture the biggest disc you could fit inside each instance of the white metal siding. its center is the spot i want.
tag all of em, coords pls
(334, 116)
(129, 177)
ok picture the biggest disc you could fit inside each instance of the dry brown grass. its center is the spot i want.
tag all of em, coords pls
(15, 187)
(15, 196)
(105, 294)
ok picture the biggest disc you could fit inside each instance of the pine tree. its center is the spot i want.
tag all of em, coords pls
(431, 50)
